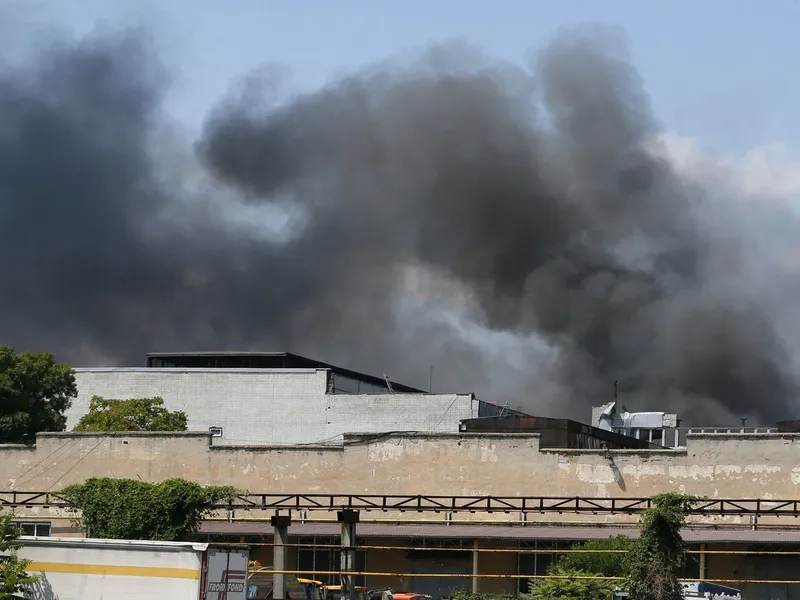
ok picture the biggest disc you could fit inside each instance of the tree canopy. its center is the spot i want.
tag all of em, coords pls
(137, 414)
(34, 393)
(14, 578)
(130, 509)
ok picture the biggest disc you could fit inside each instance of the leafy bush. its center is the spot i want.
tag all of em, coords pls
(609, 561)
(14, 578)
(135, 510)
(465, 595)
(571, 586)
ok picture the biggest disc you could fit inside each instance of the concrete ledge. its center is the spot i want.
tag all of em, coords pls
(185, 370)
(337, 448)
(455, 435)
(645, 452)
(121, 434)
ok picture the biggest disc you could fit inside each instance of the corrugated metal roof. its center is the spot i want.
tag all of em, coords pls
(509, 532)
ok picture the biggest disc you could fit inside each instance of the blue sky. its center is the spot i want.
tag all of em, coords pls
(723, 72)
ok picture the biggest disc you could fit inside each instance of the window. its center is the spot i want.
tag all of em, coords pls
(537, 564)
(40, 529)
(318, 560)
(215, 431)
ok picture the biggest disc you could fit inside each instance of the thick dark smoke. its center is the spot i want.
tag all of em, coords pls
(529, 198)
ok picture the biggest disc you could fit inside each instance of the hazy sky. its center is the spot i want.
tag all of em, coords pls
(720, 71)
(721, 76)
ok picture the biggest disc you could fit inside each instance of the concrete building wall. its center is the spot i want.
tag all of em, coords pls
(712, 465)
(497, 563)
(275, 406)
(753, 567)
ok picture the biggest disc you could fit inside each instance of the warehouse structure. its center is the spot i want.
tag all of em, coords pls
(265, 398)
(445, 501)
(442, 484)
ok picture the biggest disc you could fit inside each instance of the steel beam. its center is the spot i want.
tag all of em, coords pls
(437, 503)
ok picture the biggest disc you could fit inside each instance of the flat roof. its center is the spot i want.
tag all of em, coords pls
(107, 543)
(189, 370)
(286, 360)
(695, 535)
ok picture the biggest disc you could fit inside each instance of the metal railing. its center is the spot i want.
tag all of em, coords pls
(438, 503)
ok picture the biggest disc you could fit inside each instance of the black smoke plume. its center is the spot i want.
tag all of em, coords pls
(526, 205)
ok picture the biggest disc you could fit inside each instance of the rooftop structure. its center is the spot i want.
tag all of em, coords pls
(268, 398)
(267, 360)
(555, 433)
(663, 428)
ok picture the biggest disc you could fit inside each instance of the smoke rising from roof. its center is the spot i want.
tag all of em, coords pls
(512, 226)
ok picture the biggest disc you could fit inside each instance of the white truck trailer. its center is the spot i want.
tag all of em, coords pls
(93, 569)
(698, 590)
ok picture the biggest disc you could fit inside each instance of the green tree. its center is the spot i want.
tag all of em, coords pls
(571, 584)
(137, 414)
(34, 393)
(135, 510)
(656, 558)
(14, 578)
(607, 557)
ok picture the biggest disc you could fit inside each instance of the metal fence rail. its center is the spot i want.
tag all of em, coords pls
(438, 503)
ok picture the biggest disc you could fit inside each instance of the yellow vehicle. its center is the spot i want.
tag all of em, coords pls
(318, 590)
(312, 589)
(334, 592)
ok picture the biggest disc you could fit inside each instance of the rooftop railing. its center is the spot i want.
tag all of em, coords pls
(675, 437)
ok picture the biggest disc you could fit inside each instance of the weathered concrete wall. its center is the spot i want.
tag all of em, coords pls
(271, 406)
(713, 465)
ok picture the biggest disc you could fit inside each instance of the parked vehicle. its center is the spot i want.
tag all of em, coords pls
(698, 590)
(389, 594)
(94, 569)
(318, 590)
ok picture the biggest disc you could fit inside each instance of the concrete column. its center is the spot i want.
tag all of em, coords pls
(281, 524)
(475, 579)
(348, 519)
(703, 563)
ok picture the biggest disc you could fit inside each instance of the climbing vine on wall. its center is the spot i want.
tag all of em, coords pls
(136, 510)
(656, 558)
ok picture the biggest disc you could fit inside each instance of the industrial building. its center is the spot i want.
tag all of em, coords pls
(442, 484)
(276, 398)
(438, 503)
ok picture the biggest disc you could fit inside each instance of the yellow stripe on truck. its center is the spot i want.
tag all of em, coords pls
(120, 570)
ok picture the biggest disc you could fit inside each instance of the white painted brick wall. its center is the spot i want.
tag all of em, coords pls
(275, 406)
(399, 412)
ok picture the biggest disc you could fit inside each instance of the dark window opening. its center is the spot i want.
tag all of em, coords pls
(319, 560)
(34, 529)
